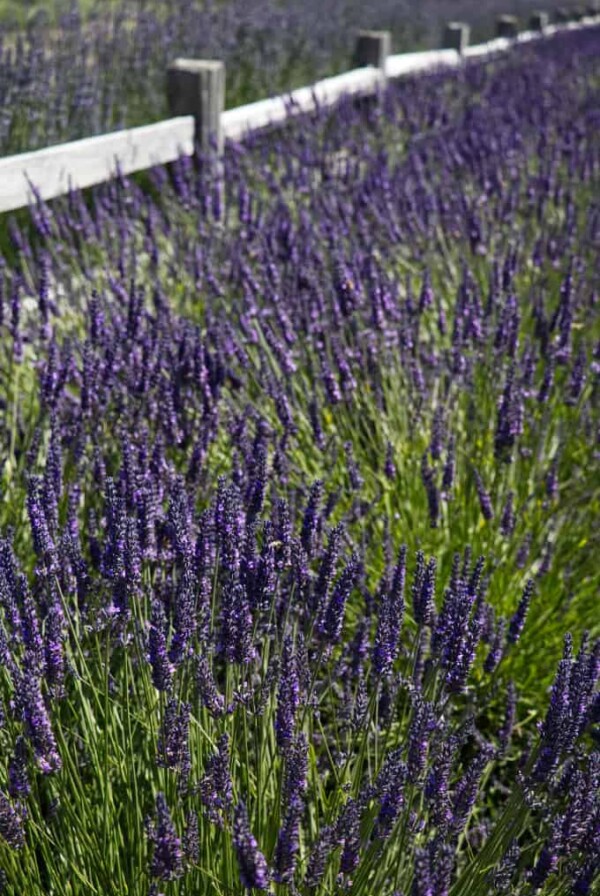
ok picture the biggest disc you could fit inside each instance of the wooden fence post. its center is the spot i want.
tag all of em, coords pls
(197, 87)
(507, 26)
(456, 36)
(372, 48)
(539, 21)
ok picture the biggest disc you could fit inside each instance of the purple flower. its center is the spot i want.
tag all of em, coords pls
(230, 525)
(458, 627)
(311, 522)
(327, 569)
(191, 839)
(216, 788)
(389, 467)
(162, 667)
(252, 865)
(184, 613)
(167, 853)
(507, 519)
(485, 502)
(390, 617)
(330, 625)
(423, 590)
(288, 695)
(509, 423)
(207, 688)
(348, 832)
(501, 877)
(546, 864)
(571, 703)
(390, 792)
(356, 480)
(510, 716)
(18, 775)
(288, 843)
(437, 786)
(11, 823)
(173, 743)
(433, 500)
(449, 468)
(319, 856)
(236, 624)
(30, 627)
(433, 866)
(38, 727)
(56, 662)
(422, 725)
(517, 622)
(466, 790)
(437, 433)
(42, 539)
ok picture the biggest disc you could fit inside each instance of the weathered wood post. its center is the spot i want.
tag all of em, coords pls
(507, 26)
(456, 36)
(197, 87)
(539, 21)
(372, 48)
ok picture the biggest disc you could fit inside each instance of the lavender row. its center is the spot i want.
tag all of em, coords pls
(299, 471)
(85, 75)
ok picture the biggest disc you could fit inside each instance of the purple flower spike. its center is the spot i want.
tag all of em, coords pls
(391, 615)
(449, 469)
(216, 788)
(485, 502)
(517, 622)
(38, 727)
(421, 726)
(349, 833)
(288, 842)
(173, 744)
(508, 520)
(191, 839)
(253, 868)
(11, 824)
(433, 498)
(162, 668)
(288, 695)
(18, 776)
(330, 627)
(389, 467)
(167, 855)
(311, 523)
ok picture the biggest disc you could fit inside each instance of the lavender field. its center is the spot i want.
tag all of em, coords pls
(74, 68)
(300, 497)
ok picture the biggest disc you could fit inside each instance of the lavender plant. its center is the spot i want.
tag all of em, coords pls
(298, 590)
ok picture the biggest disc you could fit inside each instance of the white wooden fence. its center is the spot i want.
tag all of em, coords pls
(84, 163)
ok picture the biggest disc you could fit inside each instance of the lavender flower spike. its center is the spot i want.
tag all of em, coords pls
(518, 620)
(254, 872)
(167, 857)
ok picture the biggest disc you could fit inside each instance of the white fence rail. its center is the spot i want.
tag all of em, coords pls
(83, 163)
(57, 169)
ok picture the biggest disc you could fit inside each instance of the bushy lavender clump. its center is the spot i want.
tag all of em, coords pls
(284, 565)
